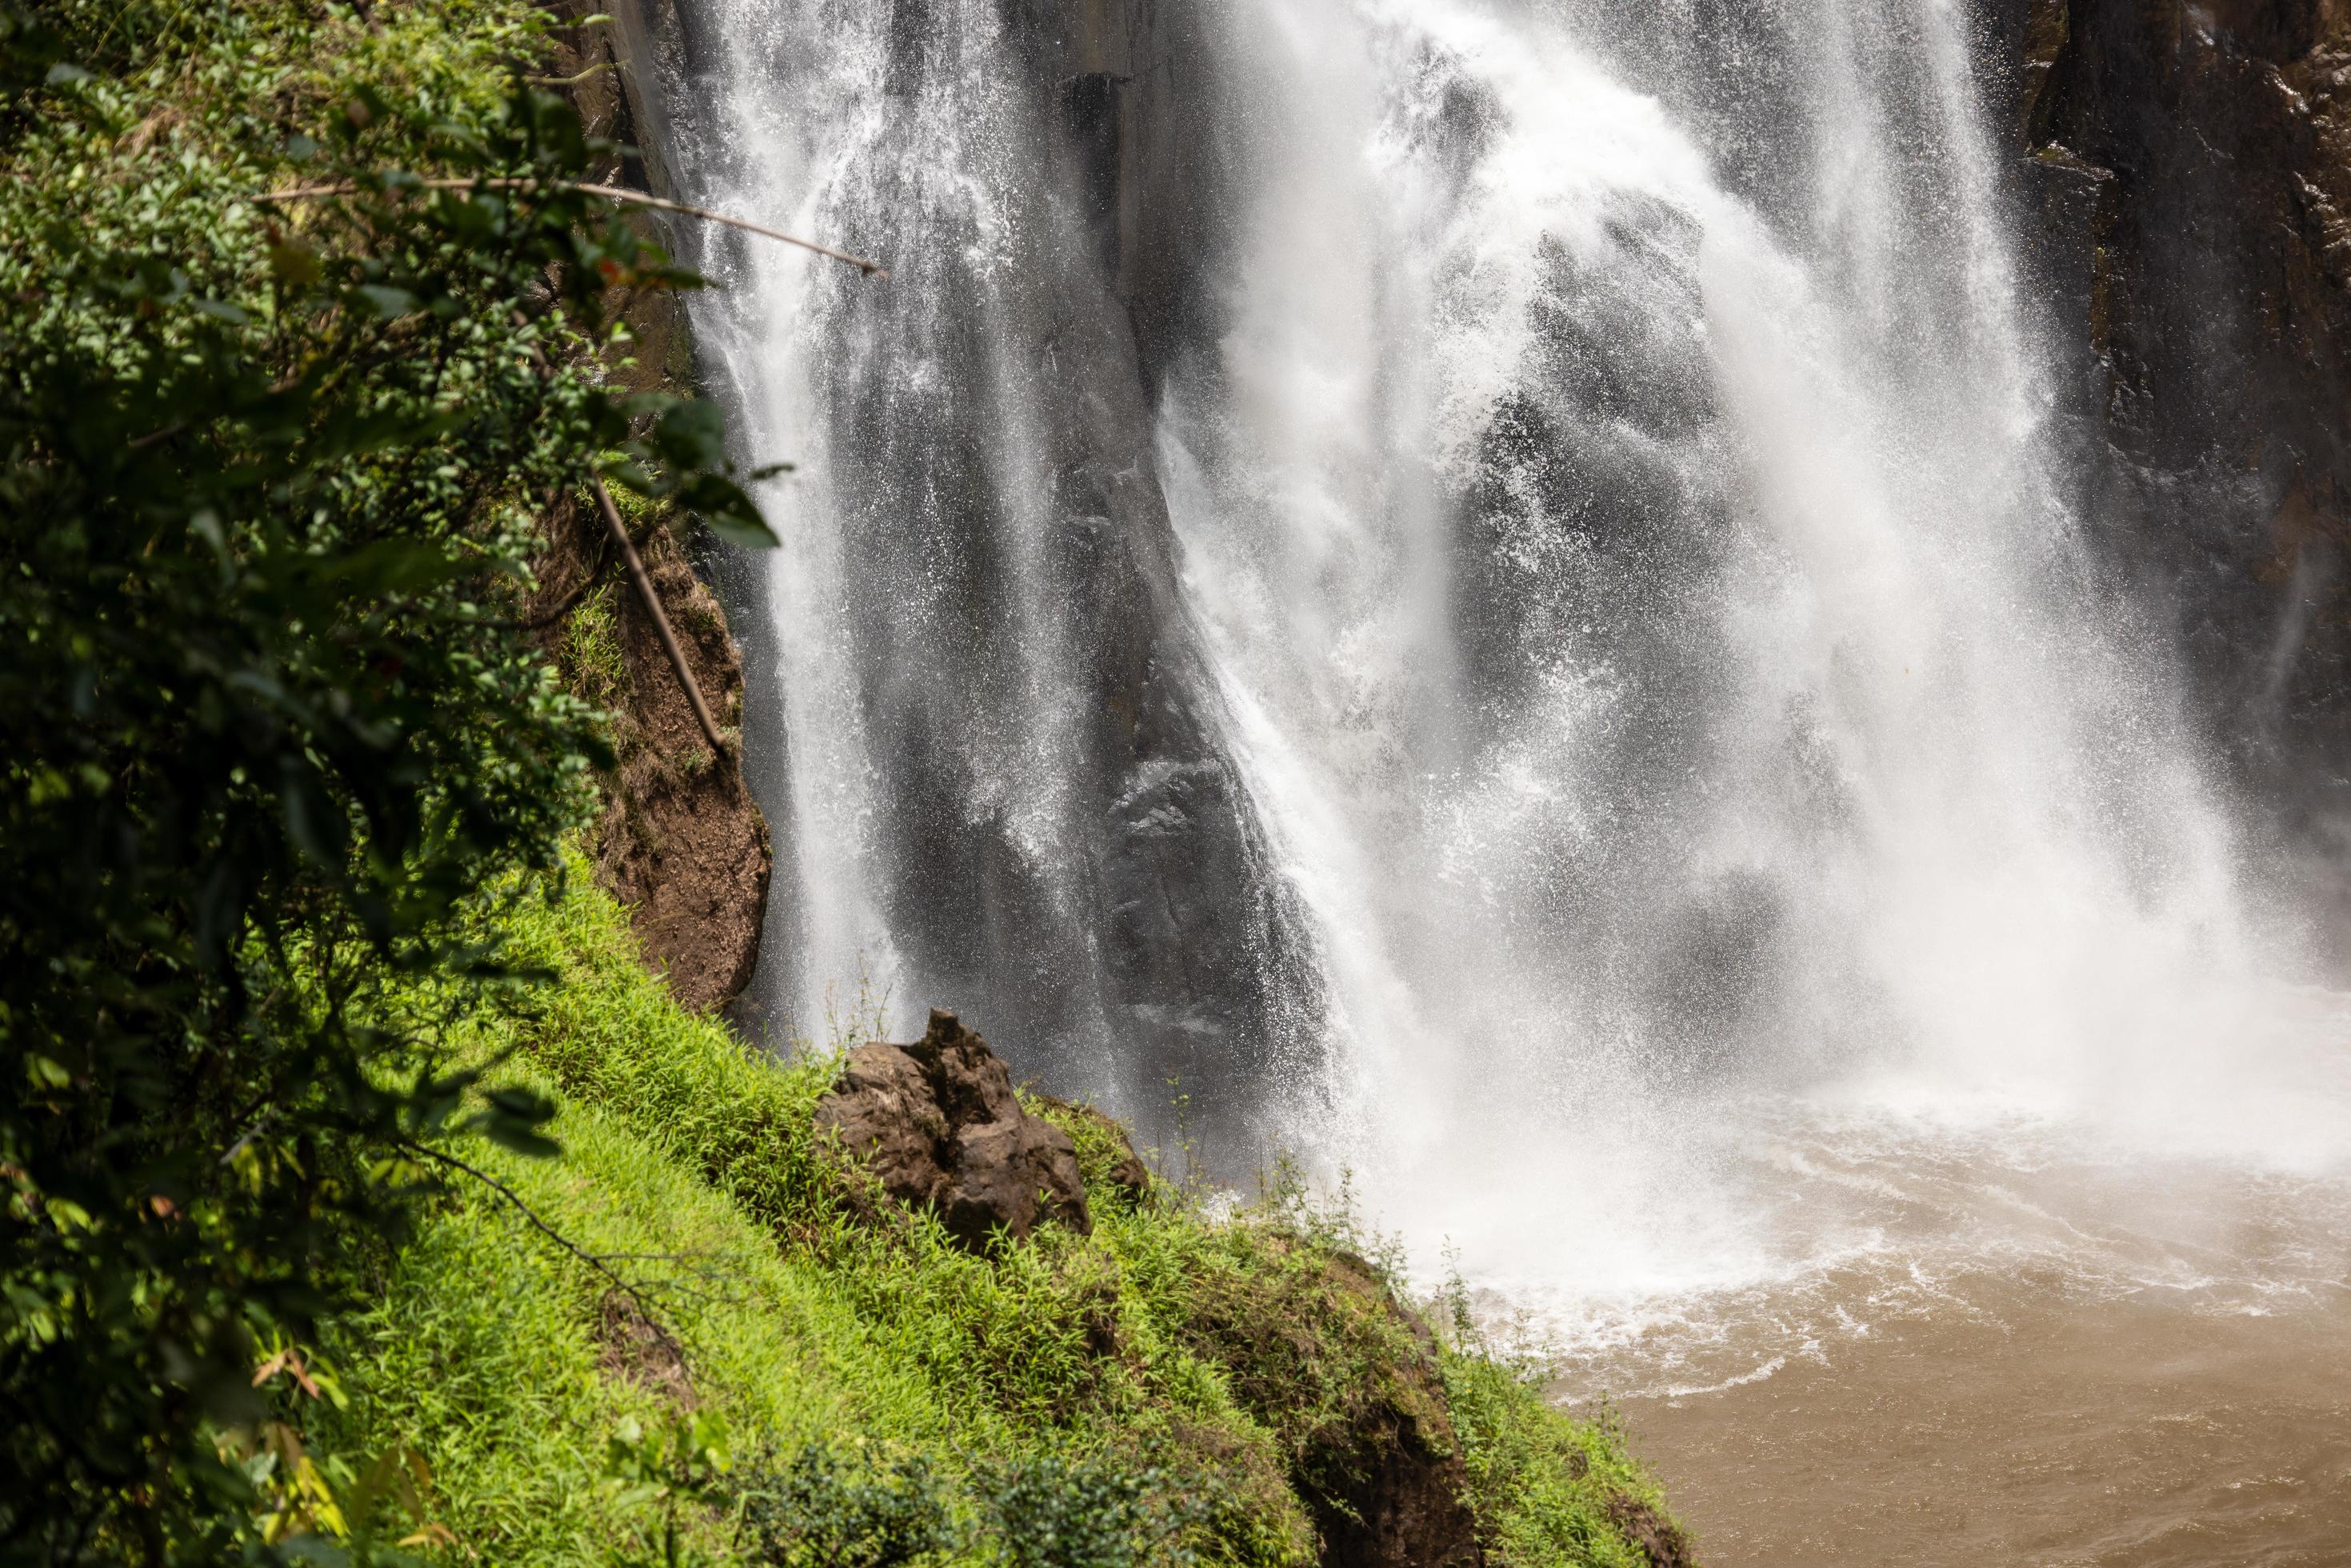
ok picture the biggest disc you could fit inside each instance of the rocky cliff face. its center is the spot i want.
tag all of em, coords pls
(998, 539)
(2185, 174)
(682, 842)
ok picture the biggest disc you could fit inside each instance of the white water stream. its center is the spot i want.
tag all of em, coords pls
(1839, 779)
(1619, 524)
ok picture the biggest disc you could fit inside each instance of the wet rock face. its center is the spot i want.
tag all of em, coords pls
(937, 1123)
(2185, 185)
(1386, 1486)
(1007, 588)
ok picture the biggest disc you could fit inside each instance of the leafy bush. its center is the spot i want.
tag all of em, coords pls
(269, 475)
(835, 1505)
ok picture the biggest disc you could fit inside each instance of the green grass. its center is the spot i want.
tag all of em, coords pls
(590, 650)
(1219, 1369)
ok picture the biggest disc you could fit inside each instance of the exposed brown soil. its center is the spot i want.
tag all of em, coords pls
(632, 1348)
(682, 842)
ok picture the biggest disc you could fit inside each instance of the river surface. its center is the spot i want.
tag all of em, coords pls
(1999, 1344)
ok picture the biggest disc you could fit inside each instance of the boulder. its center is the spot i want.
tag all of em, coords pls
(938, 1125)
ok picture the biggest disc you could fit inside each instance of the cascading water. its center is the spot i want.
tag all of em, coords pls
(1647, 621)
(1491, 588)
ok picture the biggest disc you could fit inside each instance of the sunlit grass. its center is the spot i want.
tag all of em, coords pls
(1222, 1357)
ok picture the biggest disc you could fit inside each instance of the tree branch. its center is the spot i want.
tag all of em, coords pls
(572, 80)
(609, 192)
(644, 1303)
(644, 584)
(652, 603)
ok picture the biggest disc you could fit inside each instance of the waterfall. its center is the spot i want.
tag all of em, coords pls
(1477, 585)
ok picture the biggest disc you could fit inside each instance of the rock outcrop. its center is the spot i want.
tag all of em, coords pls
(1386, 1483)
(938, 1126)
(681, 842)
(1117, 1166)
(2184, 172)
(1383, 1470)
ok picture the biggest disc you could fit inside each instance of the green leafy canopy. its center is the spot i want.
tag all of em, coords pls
(270, 478)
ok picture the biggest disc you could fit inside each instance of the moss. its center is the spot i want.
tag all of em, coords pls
(1217, 1358)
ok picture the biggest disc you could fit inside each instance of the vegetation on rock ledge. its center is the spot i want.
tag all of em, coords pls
(1180, 1386)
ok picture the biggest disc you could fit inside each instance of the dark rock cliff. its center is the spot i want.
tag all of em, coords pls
(2181, 174)
(1144, 941)
(2184, 173)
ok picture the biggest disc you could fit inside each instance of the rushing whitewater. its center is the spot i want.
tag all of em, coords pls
(1491, 590)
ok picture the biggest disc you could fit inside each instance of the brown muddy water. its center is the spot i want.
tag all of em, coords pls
(1995, 1346)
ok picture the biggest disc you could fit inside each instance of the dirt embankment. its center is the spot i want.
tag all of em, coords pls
(682, 842)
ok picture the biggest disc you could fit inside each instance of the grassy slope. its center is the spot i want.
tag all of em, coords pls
(1211, 1353)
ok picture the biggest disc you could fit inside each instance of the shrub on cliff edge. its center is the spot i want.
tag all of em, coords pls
(268, 473)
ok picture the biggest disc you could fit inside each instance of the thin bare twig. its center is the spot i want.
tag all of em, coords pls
(139, 443)
(652, 604)
(644, 583)
(609, 192)
(644, 1303)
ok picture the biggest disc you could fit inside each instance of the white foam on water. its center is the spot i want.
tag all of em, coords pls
(1998, 893)
(1753, 862)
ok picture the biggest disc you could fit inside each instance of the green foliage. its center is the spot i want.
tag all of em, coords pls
(589, 649)
(1054, 1512)
(1549, 1489)
(681, 1462)
(848, 1506)
(1179, 1388)
(268, 474)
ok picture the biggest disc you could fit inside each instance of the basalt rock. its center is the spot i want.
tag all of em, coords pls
(938, 1125)
(2186, 189)
(1386, 1486)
